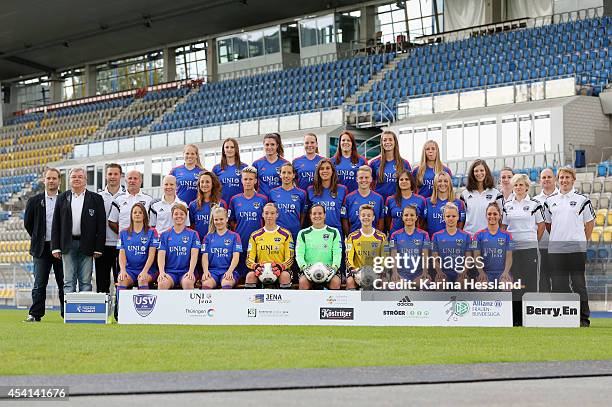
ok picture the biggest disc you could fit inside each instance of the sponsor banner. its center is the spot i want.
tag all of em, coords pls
(280, 307)
(86, 308)
(551, 310)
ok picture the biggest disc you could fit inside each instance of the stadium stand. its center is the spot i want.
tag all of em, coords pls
(274, 94)
(575, 48)
(137, 117)
(362, 84)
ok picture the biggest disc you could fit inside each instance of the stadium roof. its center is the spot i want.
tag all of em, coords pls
(43, 36)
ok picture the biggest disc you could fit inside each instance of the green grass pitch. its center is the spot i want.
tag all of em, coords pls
(50, 347)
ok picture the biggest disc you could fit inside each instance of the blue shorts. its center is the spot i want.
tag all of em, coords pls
(134, 273)
(494, 275)
(409, 275)
(217, 275)
(176, 277)
(451, 275)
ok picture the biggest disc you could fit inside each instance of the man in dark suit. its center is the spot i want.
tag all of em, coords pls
(37, 220)
(79, 231)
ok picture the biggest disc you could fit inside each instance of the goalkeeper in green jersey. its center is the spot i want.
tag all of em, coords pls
(319, 252)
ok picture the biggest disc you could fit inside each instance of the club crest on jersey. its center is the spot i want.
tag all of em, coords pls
(470, 196)
(501, 241)
(227, 242)
(372, 203)
(294, 197)
(92, 212)
(374, 245)
(185, 239)
(144, 240)
(459, 241)
(416, 242)
(256, 205)
(489, 196)
(195, 176)
(325, 236)
(278, 170)
(277, 239)
(525, 208)
(573, 203)
(238, 173)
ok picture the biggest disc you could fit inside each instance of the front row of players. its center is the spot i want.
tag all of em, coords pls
(182, 259)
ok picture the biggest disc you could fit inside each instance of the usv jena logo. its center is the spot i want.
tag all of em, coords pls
(337, 313)
(144, 303)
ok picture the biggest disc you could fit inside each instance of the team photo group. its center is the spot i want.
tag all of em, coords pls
(314, 223)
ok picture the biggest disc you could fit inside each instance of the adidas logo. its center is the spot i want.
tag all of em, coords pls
(405, 302)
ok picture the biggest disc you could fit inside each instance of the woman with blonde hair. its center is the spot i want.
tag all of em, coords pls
(443, 193)
(177, 257)
(451, 246)
(221, 250)
(431, 164)
(187, 174)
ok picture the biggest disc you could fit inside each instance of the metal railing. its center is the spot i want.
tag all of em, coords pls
(505, 26)
(307, 119)
(522, 91)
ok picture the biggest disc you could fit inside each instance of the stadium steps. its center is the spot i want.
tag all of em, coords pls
(351, 100)
(18, 200)
(366, 119)
(123, 114)
(169, 111)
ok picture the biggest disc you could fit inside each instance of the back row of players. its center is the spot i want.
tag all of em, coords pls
(415, 209)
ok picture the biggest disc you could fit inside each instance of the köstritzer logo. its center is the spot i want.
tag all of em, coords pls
(337, 313)
(144, 303)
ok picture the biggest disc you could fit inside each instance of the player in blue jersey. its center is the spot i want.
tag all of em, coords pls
(209, 196)
(137, 246)
(229, 171)
(327, 192)
(443, 193)
(221, 250)
(451, 247)
(431, 164)
(404, 195)
(268, 167)
(245, 212)
(387, 165)
(306, 164)
(179, 249)
(363, 196)
(412, 244)
(187, 174)
(290, 201)
(495, 246)
(348, 161)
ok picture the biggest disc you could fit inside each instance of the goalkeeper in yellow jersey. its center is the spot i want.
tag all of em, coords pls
(270, 250)
(363, 245)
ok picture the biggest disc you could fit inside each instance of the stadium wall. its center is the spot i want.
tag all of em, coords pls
(586, 127)
(576, 122)
(251, 148)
